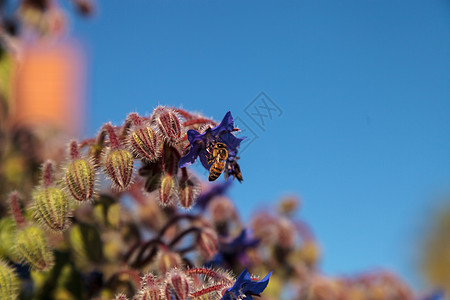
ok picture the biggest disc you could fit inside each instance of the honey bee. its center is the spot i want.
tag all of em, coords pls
(217, 160)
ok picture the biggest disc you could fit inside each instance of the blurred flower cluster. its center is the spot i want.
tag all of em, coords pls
(120, 216)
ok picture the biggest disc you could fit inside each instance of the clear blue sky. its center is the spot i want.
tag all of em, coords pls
(364, 89)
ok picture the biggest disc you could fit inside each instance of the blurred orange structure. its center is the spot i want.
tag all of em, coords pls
(49, 87)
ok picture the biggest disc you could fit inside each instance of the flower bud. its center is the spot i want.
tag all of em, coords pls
(177, 284)
(17, 208)
(121, 297)
(167, 190)
(51, 207)
(32, 248)
(188, 192)
(119, 167)
(167, 260)
(9, 282)
(144, 143)
(79, 179)
(207, 243)
(168, 124)
(8, 238)
(150, 289)
(153, 293)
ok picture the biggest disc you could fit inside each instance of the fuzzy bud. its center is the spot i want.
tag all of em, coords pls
(144, 143)
(207, 243)
(148, 280)
(168, 124)
(177, 284)
(153, 293)
(8, 230)
(167, 190)
(32, 248)
(150, 289)
(9, 282)
(79, 179)
(167, 260)
(16, 208)
(51, 207)
(188, 192)
(121, 297)
(47, 173)
(119, 167)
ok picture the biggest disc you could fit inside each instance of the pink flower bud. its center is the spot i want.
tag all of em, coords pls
(188, 192)
(167, 190)
(119, 167)
(79, 179)
(207, 243)
(153, 293)
(177, 284)
(121, 297)
(148, 280)
(168, 124)
(144, 143)
(150, 288)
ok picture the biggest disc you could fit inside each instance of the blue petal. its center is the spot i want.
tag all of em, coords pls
(243, 277)
(245, 286)
(196, 141)
(231, 141)
(258, 287)
(190, 158)
(203, 159)
(193, 135)
(227, 124)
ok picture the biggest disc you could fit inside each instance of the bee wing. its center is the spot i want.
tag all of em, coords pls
(225, 171)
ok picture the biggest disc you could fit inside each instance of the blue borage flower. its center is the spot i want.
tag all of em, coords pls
(246, 288)
(199, 142)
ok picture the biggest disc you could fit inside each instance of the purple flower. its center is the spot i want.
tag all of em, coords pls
(245, 288)
(200, 142)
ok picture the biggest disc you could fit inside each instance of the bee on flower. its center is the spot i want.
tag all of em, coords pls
(217, 149)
